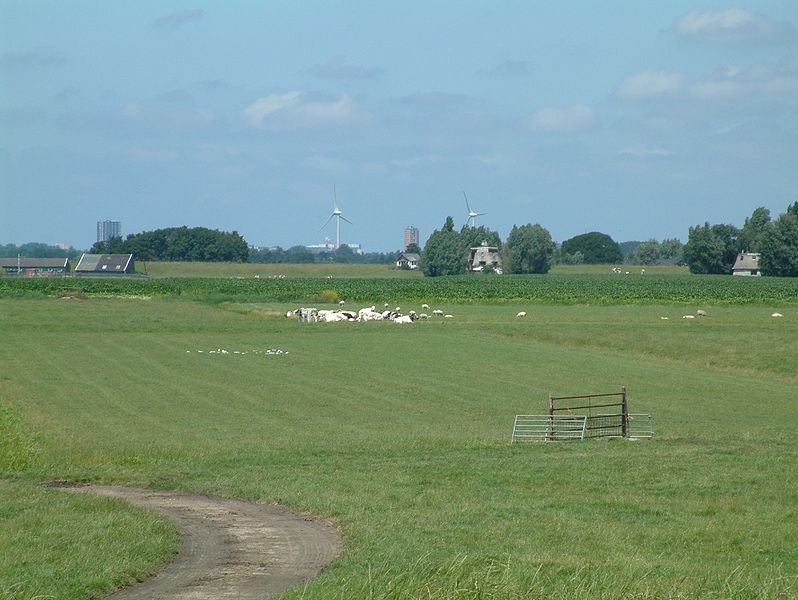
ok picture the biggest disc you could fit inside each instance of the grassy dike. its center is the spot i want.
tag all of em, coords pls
(400, 436)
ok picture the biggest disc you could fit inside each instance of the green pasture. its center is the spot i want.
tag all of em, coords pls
(400, 436)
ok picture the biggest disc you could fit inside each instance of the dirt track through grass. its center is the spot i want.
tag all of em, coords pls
(230, 549)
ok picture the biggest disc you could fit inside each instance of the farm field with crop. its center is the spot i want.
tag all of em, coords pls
(400, 435)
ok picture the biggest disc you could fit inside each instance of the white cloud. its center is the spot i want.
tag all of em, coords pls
(735, 82)
(258, 111)
(561, 120)
(337, 111)
(294, 110)
(648, 85)
(644, 151)
(732, 26)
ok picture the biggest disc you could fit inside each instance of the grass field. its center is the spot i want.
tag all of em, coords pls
(400, 436)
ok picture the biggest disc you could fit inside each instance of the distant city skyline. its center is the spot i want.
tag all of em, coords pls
(635, 119)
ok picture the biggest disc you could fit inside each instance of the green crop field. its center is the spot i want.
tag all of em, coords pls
(400, 435)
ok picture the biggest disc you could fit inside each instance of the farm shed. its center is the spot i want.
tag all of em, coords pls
(34, 267)
(98, 264)
(747, 264)
(407, 260)
(480, 257)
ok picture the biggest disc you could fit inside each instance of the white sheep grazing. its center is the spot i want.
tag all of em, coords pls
(425, 306)
(664, 318)
(688, 317)
(437, 312)
(448, 316)
(403, 319)
(423, 316)
(521, 314)
(341, 303)
(701, 313)
(777, 315)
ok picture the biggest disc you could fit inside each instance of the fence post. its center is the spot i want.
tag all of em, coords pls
(625, 412)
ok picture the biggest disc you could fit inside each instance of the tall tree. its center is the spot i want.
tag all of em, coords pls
(705, 251)
(780, 246)
(529, 249)
(755, 226)
(596, 247)
(443, 252)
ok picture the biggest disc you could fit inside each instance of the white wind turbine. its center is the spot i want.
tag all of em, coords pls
(471, 222)
(338, 216)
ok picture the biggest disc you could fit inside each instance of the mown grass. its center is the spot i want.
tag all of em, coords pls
(400, 436)
(57, 544)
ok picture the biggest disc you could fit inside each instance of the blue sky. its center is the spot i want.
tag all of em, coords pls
(637, 119)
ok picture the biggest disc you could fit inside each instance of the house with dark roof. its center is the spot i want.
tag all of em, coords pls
(747, 264)
(105, 264)
(34, 267)
(408, 260)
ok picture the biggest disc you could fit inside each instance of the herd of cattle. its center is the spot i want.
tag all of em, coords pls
(370, 313)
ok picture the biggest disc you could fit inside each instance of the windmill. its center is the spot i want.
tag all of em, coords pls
(338, 216)
(471, 222)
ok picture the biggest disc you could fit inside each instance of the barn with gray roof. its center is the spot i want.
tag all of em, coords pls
(105, 264)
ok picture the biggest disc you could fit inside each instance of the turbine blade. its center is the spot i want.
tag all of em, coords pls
(327, 221)
(466, 199)
(345, 219)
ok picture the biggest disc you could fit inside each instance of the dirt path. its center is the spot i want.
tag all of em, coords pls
(230, 549)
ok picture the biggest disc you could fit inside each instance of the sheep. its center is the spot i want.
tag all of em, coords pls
(448, 316)
(425, 307)
(437, 312)
(341, 303)
(423, 316)
(521, 314)
(777, 315)
(403, 319)
(688, 317)
(664, 318)
(701, 313)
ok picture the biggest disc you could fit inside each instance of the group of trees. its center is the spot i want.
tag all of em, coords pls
(300, 254)
(529, 249)
(38, 250)
(592, 248)
(712, 249)
(179, 244)
(651, 252)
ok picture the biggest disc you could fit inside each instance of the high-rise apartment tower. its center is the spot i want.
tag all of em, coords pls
(108, 229)
(412, 236)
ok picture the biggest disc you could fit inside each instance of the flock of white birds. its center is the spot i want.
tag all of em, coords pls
(223, 351)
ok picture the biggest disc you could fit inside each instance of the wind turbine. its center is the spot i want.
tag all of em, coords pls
(471, 222)
(338, 216)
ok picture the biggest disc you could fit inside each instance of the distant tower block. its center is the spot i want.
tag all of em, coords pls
(108, 229)
(412, 236)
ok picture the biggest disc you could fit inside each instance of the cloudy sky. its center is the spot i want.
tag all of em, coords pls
(636, 118)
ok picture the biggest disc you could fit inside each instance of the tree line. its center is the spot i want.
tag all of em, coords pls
(179, 244)
(529, 249)
(713, 249)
